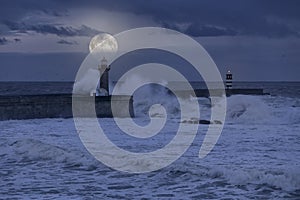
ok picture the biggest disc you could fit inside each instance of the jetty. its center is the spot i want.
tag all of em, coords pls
(220, 92)
(60, 106)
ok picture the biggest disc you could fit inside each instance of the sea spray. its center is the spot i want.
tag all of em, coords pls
(247, 109)
(86, 84)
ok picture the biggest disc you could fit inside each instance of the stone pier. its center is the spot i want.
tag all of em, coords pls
(60, 106)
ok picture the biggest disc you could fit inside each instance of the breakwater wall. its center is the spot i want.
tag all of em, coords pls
(60, 106)
(219, 92)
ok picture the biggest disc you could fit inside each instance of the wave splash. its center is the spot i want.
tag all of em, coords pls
(246, 109)
(241, 109)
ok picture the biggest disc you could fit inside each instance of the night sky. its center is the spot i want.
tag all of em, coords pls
(47, 40)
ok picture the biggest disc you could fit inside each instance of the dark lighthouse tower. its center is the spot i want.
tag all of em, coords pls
(104, 84)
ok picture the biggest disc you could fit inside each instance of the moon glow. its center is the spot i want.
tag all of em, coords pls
(104, 42)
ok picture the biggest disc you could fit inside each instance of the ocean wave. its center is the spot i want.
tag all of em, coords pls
(284, 179)
(31, 150)
(287, 179)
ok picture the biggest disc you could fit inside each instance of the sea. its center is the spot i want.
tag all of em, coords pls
(256, 157)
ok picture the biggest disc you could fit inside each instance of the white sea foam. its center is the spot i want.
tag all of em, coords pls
(246, 109)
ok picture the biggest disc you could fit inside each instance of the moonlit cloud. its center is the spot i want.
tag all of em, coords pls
(59, 30)
(246, 36)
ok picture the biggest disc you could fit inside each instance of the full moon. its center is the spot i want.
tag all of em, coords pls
(103, 42)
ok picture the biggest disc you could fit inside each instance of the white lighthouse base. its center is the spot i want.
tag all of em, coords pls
(102, 92)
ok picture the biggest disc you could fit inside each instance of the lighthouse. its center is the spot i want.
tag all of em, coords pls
(103, 89)
(228, 80)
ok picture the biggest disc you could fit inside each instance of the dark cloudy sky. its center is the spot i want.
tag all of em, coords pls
(47, 40)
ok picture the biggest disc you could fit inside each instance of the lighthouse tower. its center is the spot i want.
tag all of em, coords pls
(228, 80)
(104, 84)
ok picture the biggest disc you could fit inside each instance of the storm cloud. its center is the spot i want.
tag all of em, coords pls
(270, 18)
(66, 42)
(223, 18)
(59, 30)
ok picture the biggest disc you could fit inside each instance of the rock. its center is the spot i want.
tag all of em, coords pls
(217, 122)
(201, 121)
